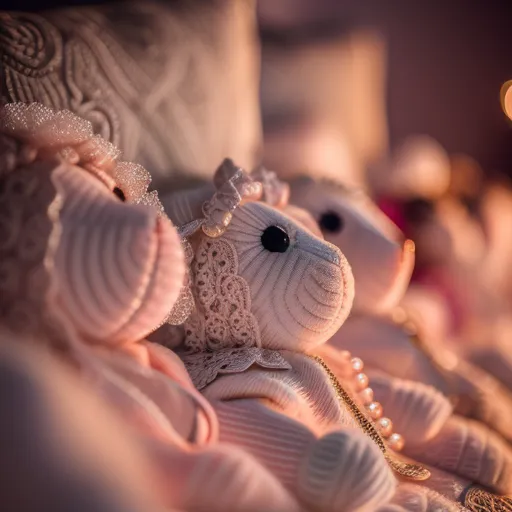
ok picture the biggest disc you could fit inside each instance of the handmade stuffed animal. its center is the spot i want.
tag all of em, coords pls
(90, 266)
(349, 220)
(433, 409)
(264, 292)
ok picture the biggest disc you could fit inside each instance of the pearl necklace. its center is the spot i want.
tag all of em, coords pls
(372, 421)
(374, 409)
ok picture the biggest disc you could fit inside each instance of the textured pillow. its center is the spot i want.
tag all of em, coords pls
(173, 85)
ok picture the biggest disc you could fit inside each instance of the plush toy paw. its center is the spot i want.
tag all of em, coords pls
(418, 411)
(345, 470)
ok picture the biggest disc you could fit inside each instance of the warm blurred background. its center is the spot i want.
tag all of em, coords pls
(444, 64)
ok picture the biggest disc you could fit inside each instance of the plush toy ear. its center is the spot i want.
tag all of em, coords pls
(185, 206)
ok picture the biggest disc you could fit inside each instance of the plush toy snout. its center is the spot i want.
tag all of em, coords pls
(119, 266)
(381, 259)
(307, 281)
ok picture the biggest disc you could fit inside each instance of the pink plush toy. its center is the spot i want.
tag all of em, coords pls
(90, 266)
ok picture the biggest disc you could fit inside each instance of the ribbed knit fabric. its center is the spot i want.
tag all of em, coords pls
(220, 478)
(433, 435)
(388, 347)
(416, 498)
(342, 470)
(418, 412)
(294, 424)
(304, 392)
(468, 449)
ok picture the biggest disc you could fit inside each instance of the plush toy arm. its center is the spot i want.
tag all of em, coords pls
(476, 393)
(468, 449)
(497, 360)
(342, 470)
(435, 436)
(418, 411)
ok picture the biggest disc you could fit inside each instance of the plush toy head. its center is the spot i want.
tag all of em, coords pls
(381, 259)
(258, 277)
(82, 243)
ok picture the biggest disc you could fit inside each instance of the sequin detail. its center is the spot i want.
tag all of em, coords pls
(185, 304)
(405, 469)
(234, 187)
(37, 130)
(205, 367)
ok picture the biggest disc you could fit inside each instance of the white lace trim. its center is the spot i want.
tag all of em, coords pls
(222, 318)
(205, 367)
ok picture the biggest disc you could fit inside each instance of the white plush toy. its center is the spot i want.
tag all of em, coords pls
(268, 294)
(390, 347)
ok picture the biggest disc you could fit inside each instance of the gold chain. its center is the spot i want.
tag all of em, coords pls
(412, 471)
(480, 500)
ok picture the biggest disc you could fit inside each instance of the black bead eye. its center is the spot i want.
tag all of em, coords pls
(331, 222)
(119, 193)
(275, 239)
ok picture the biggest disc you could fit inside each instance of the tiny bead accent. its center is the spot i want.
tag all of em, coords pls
(366, 396)
(396, 442)
(362, 381)
(412, 471)
(357, 364)
(385, 427)
(375, 410)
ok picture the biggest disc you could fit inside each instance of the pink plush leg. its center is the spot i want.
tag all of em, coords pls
(468, 449)
(343, 470)
(219, 478)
